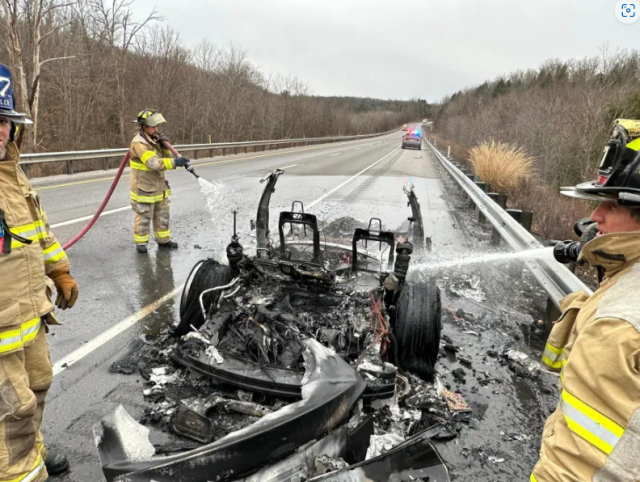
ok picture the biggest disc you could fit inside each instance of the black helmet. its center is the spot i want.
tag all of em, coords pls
(150, 117)
(7, 102)
(618, 171)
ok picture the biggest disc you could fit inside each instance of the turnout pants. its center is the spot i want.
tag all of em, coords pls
(159, 214)
(25, 377)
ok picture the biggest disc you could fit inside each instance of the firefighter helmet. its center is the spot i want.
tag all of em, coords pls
(619, 168)
(150, 117)
(7, 102)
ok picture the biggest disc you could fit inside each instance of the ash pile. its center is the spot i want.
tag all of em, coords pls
(283, 369)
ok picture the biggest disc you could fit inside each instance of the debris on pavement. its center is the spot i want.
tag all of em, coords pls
(455, 402)
(522, 364)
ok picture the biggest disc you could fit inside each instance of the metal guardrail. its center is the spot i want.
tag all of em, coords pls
(27, 160)
(553, 277)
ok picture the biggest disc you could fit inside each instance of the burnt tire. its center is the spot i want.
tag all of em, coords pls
(204, 275)
(417, 328)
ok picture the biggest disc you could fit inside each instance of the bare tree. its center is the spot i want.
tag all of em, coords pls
(113, 22)
(24, 22)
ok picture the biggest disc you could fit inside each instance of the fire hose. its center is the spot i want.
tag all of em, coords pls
(112, 188)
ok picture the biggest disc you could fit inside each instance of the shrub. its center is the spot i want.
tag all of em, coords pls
(503, 166)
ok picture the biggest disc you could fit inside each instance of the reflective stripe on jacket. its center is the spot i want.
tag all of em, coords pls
(148, 162)
(594, 434)
(25, 292)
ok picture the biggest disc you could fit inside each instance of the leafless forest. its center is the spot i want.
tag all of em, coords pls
(84, 68)
(561, 114)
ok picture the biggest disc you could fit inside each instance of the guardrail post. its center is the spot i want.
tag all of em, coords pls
(69, 167)
(472, 177)
(483, 187)
(515, 214)
(495, 236)
(527, 220)
(448, 152)
(25, 169)
(551, 314)
(516, 265)
(211, 152)
(105, 164)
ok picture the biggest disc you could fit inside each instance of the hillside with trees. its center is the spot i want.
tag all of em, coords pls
(561, 114)
(83, 69)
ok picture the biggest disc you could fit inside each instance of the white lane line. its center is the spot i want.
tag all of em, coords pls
(336, 154)
(87, 218)
(287, 167)
(98, 341)
(328, 193)
(111, 333)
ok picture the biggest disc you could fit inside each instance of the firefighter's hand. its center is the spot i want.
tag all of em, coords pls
(567, 251)
(67, 288)
(162, 138)
(182, 161)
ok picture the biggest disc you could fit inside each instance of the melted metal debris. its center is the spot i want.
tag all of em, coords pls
(266, 325)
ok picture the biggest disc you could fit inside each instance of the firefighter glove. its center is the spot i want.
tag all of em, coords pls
(567, 251)
(162, 138)
(182, 162)
(67, 288)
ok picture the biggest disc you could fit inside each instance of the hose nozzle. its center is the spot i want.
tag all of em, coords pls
(189, 167)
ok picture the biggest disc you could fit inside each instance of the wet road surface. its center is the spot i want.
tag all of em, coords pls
(119, 287)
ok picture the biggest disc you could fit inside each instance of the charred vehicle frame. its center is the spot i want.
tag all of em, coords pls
(291, 323)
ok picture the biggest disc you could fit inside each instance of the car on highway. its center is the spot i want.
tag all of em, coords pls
(413, 138)
(405, 127)
(285, 364)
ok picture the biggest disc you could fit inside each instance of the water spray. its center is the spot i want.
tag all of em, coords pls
(536, 253)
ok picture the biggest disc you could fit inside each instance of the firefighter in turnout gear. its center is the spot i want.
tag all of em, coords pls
(149, 189)
(32, 263)
(594, 433)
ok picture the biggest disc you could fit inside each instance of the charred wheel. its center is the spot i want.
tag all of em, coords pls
(204, 275)
(417, 327)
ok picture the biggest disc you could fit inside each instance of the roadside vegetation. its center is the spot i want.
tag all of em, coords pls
(559, 114)
(503, 166)
(84, 69)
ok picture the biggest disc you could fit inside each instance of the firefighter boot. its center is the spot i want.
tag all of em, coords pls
(141, 248)
(56, 463)
(168, 245)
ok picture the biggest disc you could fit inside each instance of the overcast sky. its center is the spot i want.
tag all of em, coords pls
(399, 48)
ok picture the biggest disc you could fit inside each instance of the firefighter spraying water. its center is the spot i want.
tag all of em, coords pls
(150, 191)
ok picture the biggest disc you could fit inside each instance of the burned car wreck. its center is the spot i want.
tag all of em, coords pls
(307, 361)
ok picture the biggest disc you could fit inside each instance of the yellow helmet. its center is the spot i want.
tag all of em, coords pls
(150, 117)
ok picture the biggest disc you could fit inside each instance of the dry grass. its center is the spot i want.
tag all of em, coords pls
(503, 166)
